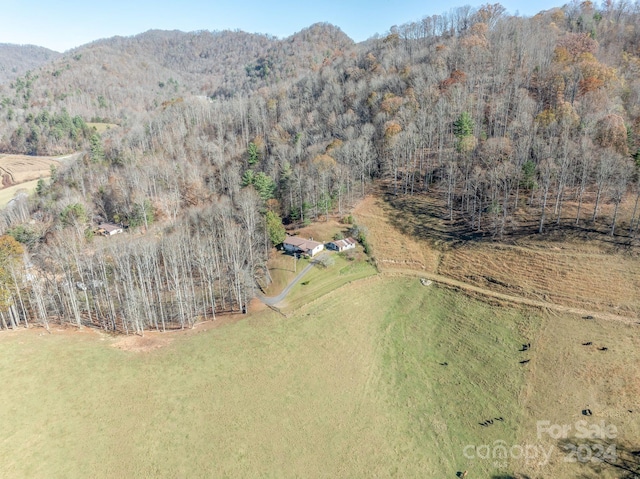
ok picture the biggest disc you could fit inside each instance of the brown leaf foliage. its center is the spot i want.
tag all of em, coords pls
(578, 43)
(612, 133)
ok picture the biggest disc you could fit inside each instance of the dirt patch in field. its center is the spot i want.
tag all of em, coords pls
(141, 344)
(6, 180)
(153, 340)
(150, 341)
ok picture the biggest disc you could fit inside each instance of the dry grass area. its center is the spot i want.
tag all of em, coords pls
(566, 377)
(591, 280)
(21, 172)
(605, 211)
(574, 364)
(593, 274)
(16, 169)
(322, 231)
(392, 248)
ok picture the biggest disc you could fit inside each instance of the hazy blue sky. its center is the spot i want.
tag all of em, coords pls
(62, 25)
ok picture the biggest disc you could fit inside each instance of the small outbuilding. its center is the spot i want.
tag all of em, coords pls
(109, 229)
(342, 245)
(295, 244)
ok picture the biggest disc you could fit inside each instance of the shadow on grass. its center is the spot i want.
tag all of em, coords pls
(597, 456)
(423, 217)
(414, 216)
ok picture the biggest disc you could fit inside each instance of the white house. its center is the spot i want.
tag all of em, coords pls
(342, 245)
(108, 229)
(295, 244)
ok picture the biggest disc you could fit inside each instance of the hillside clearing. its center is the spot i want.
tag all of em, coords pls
(16, 169)
(9, 193)
(101, 127)
(572, 274)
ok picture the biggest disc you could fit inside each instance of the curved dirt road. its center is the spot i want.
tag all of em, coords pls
(454, 283)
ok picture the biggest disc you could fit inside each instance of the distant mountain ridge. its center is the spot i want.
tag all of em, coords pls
(227, 59)
(143, 71)
(15, 60)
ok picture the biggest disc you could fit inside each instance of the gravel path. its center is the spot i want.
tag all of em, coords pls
(273, 300)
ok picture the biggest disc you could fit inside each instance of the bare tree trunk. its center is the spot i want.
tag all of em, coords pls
(632, 228)
(615, 217)
(546, 184)
(580, 194)
(19, 294)
(595, 208)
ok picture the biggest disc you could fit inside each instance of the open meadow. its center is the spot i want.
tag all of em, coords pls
(20, 173)
(382, 377)
(347, 387)
(16, 169)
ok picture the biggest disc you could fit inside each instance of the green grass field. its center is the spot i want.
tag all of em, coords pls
(7, 194)
(282, 271)
(322, 280)
(348, 386)
(102, 127)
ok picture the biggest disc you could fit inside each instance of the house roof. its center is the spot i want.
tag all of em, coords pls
(108, 227)
(343, 243)
(303, 244)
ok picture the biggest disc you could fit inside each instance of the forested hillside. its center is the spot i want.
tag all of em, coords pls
(16, 60)
(496, 115)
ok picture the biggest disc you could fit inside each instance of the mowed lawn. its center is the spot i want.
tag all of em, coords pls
(352, 385)
(321, 280)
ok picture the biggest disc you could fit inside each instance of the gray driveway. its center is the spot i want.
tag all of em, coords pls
(273, 300)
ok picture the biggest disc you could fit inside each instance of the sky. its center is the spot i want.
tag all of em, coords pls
(65, 24)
